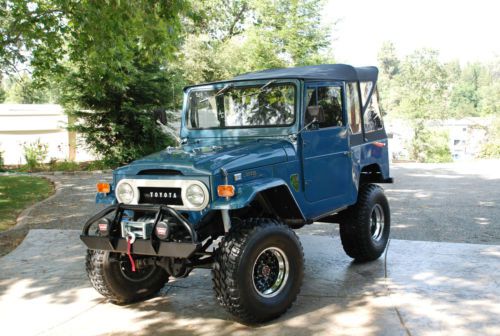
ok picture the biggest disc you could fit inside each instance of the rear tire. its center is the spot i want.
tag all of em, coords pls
(258, 270)
(365, 226)
(110, 275)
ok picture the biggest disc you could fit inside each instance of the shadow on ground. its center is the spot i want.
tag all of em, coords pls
(430, 288)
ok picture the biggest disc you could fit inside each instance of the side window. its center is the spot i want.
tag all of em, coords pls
(365, 87)
(372, 118)
(324, 104)
(311, 107)
(354, 110)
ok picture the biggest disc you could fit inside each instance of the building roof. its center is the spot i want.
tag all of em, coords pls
(17, 110)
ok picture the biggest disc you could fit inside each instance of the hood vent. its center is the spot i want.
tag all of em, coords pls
(160, 172)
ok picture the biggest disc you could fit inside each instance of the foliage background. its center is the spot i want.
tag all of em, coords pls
(113, 64)
(423, 90)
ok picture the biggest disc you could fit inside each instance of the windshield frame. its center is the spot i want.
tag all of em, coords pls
(294, 83)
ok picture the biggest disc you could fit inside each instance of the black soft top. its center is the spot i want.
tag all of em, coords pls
(317, 72)
(325, 72)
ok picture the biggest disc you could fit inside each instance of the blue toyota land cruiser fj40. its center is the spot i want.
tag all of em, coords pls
(261, 154)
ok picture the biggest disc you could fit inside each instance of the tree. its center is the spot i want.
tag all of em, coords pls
(417, 89)
(294, 28)
(422, 84)
(250, 36)
(389, 64)
(388, 60)
(22, 90)
(465, 96)
(117, 61)
(111, 57)
(2, 94)
(489, 94)
(491, 147)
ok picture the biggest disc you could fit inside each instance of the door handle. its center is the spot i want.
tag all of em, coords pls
(348, 153)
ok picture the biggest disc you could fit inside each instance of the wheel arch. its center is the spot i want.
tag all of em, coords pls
(272, 196)
(372, 173)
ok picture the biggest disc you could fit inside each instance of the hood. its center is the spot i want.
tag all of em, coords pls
(206, 160)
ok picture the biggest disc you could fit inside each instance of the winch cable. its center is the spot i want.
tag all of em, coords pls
(130, 241)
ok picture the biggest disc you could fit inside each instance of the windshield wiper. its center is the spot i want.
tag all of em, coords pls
(224, 90)
(263, 88)
(220, 92)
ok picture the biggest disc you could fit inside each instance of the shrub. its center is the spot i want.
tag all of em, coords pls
(431, 146)
(65, 165)
(99, 165)
(491, 148)
(1, 160)
(35, 154)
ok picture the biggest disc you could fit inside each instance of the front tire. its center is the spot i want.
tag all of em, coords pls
(365, 226)
(110, 274)
(258, 270)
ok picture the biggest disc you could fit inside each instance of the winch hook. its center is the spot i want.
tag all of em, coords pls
(130, 241)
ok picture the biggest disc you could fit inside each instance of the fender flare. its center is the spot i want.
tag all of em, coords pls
(247, 192)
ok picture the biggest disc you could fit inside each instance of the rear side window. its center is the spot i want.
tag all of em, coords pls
(372, 119)
(324, 104)
(365, 87)
(353, 108)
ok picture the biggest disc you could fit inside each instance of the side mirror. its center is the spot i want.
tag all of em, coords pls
(314, 125)
(160, 115)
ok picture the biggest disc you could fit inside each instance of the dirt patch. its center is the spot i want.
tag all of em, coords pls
(10, 239)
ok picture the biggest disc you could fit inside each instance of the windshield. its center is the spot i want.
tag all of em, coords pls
(267, 104)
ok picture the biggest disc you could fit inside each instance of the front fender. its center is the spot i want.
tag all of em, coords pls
(246, 192)
(109, 198)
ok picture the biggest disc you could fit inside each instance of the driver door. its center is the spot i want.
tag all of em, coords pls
(327, 160)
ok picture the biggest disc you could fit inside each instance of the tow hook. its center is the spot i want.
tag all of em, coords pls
(130, 241)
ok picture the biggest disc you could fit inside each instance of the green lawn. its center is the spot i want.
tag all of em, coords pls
(19, 192)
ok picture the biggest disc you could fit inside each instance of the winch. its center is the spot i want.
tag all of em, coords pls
(141, 228)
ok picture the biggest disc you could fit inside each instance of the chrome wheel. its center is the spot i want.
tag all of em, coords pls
(270, 272)
(377, 222)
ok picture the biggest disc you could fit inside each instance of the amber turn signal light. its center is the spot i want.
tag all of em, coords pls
(225, 190)
(103, 188)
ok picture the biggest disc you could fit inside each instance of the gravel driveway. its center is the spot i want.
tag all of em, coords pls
(458, 202)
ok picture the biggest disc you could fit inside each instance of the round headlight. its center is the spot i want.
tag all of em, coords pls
(125, 193)
(195, 195)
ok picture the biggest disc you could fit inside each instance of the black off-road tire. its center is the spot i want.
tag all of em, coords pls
(239, 266)
(357, 228)
(103, 270)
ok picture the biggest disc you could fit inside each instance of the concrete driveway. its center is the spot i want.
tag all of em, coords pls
(418, 288)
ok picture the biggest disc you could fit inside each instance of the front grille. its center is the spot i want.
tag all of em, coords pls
(167, 196)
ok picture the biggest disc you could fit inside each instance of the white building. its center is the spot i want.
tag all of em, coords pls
(24, 123)
(466, 136)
